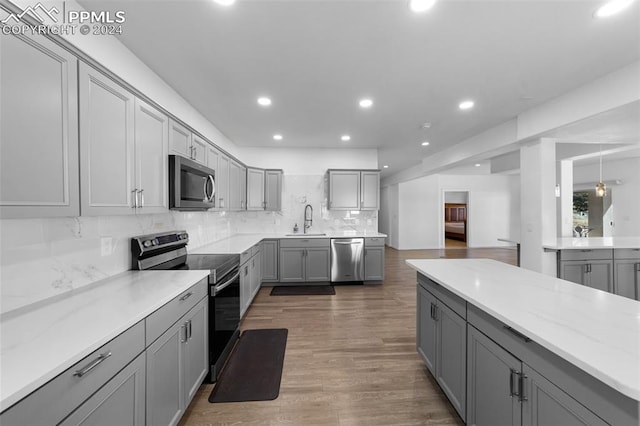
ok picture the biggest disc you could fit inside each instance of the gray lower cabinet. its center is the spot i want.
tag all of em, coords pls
(120, 402)
(176, 365)
(373, 263)
(492, 383)
(304, 260)
(250, 276)
(596, 274)
(269, 259)
(626, 272)
(442, 342)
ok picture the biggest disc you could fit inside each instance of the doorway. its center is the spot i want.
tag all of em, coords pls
(456, 225)
(592, 215)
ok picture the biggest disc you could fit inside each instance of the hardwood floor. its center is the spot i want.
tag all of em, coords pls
(350, 358)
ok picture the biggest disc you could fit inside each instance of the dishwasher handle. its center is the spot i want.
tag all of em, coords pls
(347, 243)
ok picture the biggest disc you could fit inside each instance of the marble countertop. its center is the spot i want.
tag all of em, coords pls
(596, 331)
(595, 243)
(40, 341)
(241, 242)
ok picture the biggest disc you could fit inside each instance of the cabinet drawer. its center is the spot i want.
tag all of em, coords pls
(586, 254)
(246, 255)
(457, 304)
(374, 241)
(633, 254)
(159, 321)
(57, 399)
(304, 242)
(255, 250)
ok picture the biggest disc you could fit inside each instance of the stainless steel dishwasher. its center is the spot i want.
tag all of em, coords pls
(347, 259)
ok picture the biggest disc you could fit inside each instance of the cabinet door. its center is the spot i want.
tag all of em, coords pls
(196, 349)
(199, 149)
(451, 356)
(235, 186)
(291, 265)
(222, 182)
(344, 190)
(573, 271)
(256, 271)
(269, 260)
(547, 404)
(426, 328)
(38, 129)
(151, 150)
(317, 264)
(374, 263)
(600, 275)
(491, 383)
(180, 139)
(255, 189)
(165, 377)
(370, 191)
(273, 190)
(245, 287)
(106, 146)
(119, 402)
(627, 278)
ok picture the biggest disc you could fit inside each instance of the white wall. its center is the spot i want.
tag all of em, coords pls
(625, 197)
(455, 197)
(309, 161)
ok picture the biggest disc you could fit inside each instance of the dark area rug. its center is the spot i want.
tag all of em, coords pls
(254, 369)
(303, 290)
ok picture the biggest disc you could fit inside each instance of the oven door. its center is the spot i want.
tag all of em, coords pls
(224, 320)
(191, 185)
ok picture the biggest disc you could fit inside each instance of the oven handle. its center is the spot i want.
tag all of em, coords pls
(217, 289)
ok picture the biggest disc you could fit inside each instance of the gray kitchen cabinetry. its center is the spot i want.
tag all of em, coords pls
(442, 340)
(184, 142)
(354, 189)
(250, 277)
(593, 268)
(177, 364)
(305, 260)
(39, 128)
(120, 402)
(237, 186)
(626, 271)
(255, 189)
(273, 190)
(123, 149)
(374, 259)
(222, 182)
(269, 259)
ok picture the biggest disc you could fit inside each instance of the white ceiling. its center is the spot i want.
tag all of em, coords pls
(317, 58)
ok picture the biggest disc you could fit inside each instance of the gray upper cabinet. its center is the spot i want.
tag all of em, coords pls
(237, 186)
(38, 129)
(354, 189)
(123, 149)
(273, 190)
(184, 142)
(222, 183)
(255, 189)
(627, 273)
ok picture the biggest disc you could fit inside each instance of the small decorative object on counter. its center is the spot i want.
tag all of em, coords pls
(295, 228)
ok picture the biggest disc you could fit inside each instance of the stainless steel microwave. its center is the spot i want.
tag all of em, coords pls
(192, 186)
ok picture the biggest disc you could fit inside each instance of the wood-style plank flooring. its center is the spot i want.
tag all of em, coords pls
(350, 358)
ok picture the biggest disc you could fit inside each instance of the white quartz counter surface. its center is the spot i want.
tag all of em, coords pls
(241, 242)
(40, 341)
(596, 331)
(595, 243)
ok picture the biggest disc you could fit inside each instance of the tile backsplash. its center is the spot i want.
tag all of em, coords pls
(42, 258)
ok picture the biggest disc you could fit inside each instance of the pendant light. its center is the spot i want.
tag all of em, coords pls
(601, 188)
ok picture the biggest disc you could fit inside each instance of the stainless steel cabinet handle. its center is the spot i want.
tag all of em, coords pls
(638, 267)
(522, 384)
(141, 193)
(432, 314)
(436, 312)
(183, 328)
(513, 382)
(134, 194)
(189, 330)
(186, 296)
(195, 152)
(347, 243)
(93, 364)
(191, 152)
(517, 334)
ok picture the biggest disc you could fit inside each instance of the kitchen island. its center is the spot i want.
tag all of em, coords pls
(515, 346)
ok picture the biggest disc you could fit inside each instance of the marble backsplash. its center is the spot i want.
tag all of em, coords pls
(43, 258)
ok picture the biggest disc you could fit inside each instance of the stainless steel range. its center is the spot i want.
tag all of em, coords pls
(168, 250)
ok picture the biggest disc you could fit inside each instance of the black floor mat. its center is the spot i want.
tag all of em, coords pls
(303, 290)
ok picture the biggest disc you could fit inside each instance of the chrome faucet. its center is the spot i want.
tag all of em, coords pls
(308, 217)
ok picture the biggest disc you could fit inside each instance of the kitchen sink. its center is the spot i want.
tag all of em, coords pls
(306, 235)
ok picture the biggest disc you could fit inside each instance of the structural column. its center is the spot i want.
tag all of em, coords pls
(565, 205)
(538, 205)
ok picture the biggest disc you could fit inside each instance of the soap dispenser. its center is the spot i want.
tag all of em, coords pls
(295, 228)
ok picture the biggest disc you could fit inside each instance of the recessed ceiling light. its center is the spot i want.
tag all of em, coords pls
(264, 101)
(425, 143)
(477, 164)
(277, 137)
(225, 2)
(466, 105)
(421, 5)
(611, 8)
(345, 138)
(385, 167)
(426, 125)
(366, 103)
